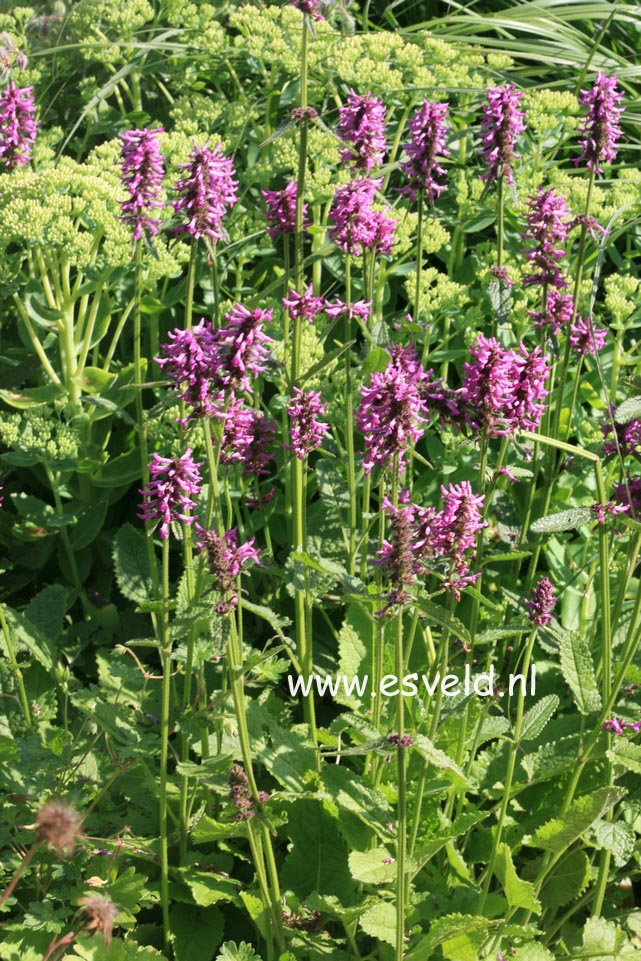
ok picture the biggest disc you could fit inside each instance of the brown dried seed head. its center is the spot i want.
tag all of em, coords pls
(98, 914)
(59, 825)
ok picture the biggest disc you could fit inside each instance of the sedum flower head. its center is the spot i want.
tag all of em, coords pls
(18, 126)
(207, 191)
(600, 125)
(503, 121)
(168, 495)
(306, 430)
(541, 605)
(362, 124)
(143, 168)
(429, 129)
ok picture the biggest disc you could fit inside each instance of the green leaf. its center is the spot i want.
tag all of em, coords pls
(447, 928)
(535, 952)
(567, 881)
(26, 635)
(578, 671)
(617, 837)
(601, 939)
(379, 922)
(119, 472)
(372, 867)
(464, 947)
(32, 397)
(95, 380)
(95, 949)
(438, 615)
(131, 563)
(208, 888)
(207, 830)
(40, 513)
(353, 649)
(196, 932)
(230, 951)
(519, 893)
(275, 621)
(568, 520)
(538, 716)
(439, 759)
(559, 833)
(317, 860)
(629, 410)
(89, 524)
(627, 754)
(348, 790)
(47, 610)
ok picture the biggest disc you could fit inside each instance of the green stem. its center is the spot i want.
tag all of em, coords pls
(165, 657)
(13, 662)
(349, 424)
(191, 279)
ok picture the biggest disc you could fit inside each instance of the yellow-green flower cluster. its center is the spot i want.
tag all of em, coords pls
(40, 434)
(621, 297)
(105, 29)
(439, 294)
(548, 110)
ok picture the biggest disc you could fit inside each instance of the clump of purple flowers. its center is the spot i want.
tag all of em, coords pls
(392, 410)
(248, 437)
(455, 531)
(281, 210)
(359, 309)
(541, 605)
(628, 436)
(142, 173)
(362, 124)
(18, 126)
(356, 225)
(557, 314)
(600, 125)
(504, 390)
(226, 559)
(188, 361)
(241, 347)
(311, 7)
(628, 493)
(429, 129)
(616, 725)
(168, 495)
(585, 338)
(240, 794)
(548, 222)
(207, 191)
(306, 431)
(305, 305)
(503, 121)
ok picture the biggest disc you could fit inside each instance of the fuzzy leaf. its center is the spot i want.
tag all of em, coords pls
(568, 880)
(538, 716)
(439, 759)
(519, 893)
(47, 610)
(131, 563)
(196, 932)
(371, 867)
(445, 929)
(230, 951)
(568, 520)
(559, 833)
(379, 922)
(628, 755)
(578, 671)
(438, 615)
(616, 837)
(317, 860)
(629, 410)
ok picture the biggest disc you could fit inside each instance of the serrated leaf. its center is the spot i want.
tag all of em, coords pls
(230, 951)
(195, 932)
(464, 947)
(567, 881)
(445, 929)
(627, 754)
(131, 564)
(317, 860)
(350, 793)
(208, 888)
(379, 922)
(559, 833)
(629, 410)
(519, 893)
(353, 649)
(89, 524)
(47, 610)
(438, 615)
(578, 671)
(601, 939)
(616, 837)
(568, 520)
(372, 867)
(439, 759)
(26, 635)
(535, 952)
(538, 716)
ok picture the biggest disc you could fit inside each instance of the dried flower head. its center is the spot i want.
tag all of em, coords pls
(98, 914)
(59, 826)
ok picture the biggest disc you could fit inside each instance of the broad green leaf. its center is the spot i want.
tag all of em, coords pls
(207, 830)
(95, 949)
(519, 893)
(208, 888)
(41, 514)
(629, 410)
(578, 671)
(439, 759)
(464, 947)
(27, 635)
(567, 881)
(616, 837)
(32, 397)
(601, 939)
(47, 610)
(438, 615)
(372, 867)
(379, 922)
(568, 520)
(89, 524)
(559, 833)
(230, 951)
(317, 860)
(538, 716)
(196, 932)
(131, 563)
(354, 646)
(535, 952)
(351, 793)
(627, 754)
(447, 929)
(95, 380)
(120, 471)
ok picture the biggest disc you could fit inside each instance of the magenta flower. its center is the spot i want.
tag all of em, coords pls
(189, 361)
(557, 314)
(548, 223)
(362, 123)
(207, 192)
(303, 306)
(628, 493)
(392, 410)
(306, 430)
(502, 123)
(616, 725)
(168, 496)
(18, 126)
(600, 125)
(142, 173)
(360, 309)
(226, 559)
(281, 210)
(241, 347)
(527, 403)
(628, 436)
(310, 7)
(429, 129)
(585, 338)
(542, 602)
(356, 226)
(248, 438)
(456, 530)
(398, 556)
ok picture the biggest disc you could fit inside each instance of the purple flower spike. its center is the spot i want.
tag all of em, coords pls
(362, 123)
(167, 497)
(281, 210)
(600, 126)
(548, 223)
(142, 174)
(226, 560)
(558, 312)
(248, 438)
(307, 431)
(502, 122)
(360, 310)
(628, 436)
(629, 495)
(18, 127)
(392, 410)
(207, 191)
(356, 226)
(429, 129)
(585, 338)
(304, 305)
(542, 603)
(311, 7)
(188, 361)
(240, 347)
(527, 403)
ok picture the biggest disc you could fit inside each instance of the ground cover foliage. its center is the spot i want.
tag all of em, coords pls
(319, 357)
